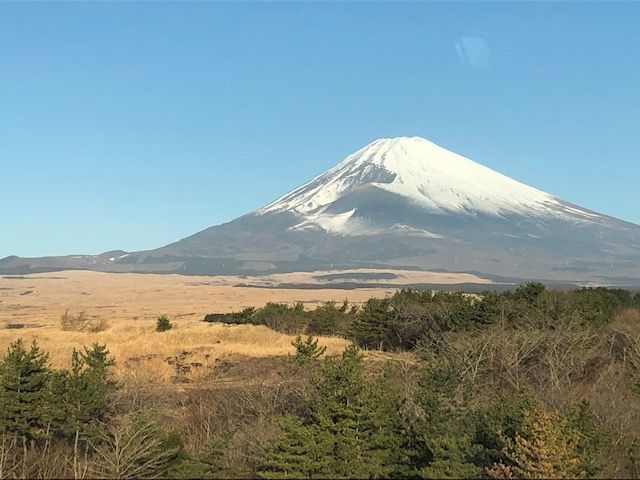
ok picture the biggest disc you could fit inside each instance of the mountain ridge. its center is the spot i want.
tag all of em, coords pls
(403, 202)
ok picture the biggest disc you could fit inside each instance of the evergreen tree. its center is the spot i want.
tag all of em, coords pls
(352, 430)
(24, 376)
(373, 327)
(591, 440)
(79, 397)
(303, 451)
(450, 458)
(359, 415)
(445, 431)
(205, 463)
(547, 450)
(530, 291)
(163, 324)
(307, 350)
(500, 422)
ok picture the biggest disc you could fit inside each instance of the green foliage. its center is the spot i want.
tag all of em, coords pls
(280, 317)
(399, 322)
(444, 428)
(328, 319)
(242, 317)
(163, 324)
(307, 350)
(352, 428)
(325, 319)
(78, 399)
(374, 326)
(303, 451)
(530, 292)
(37, 403)
(207, 462)
(24, 377)
(501, 421)
(591, 436)
(451, 458)
(596, 306)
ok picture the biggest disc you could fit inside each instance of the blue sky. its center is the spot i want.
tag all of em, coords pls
(131, 125)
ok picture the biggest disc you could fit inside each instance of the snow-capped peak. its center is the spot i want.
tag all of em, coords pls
(429, 176)
(415, 168)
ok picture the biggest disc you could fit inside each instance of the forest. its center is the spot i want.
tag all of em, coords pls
(530, 383)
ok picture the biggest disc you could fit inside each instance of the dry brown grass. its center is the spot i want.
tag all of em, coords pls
(126, 307)
(43, 298)
(141, 353)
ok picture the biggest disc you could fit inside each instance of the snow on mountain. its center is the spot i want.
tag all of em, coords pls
(429, 176)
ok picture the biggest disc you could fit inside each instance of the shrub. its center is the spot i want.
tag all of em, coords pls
(81, 322)
(163, 324)
(326, 319)
(244, 316)
(282, 318)
(530, 292)
(135, 446)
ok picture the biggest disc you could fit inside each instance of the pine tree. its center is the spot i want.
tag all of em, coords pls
(547, 450)
(163, 324)
(352, 430)
(77, 399)
(307, 350)
(373, 327)
(450, 460)
(207, 462)
(24, 376)
(592, 439)
(303, 451)
(359, 415)
(446, 435)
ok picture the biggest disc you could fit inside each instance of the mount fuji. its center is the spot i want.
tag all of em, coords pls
(399, 203)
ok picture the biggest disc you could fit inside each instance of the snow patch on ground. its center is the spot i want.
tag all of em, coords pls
(336, 223)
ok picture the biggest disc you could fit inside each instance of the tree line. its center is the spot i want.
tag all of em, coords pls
(400, 322)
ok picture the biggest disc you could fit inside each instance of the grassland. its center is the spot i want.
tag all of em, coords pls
(448, 368)
(41, 299)
(128, 305)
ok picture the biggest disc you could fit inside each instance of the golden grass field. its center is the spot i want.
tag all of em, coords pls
(31, 307)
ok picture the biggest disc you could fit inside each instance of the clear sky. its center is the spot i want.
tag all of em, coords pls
(131, 125)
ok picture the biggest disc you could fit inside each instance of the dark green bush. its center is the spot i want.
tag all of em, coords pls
(307, 350)
(400, 321)
(163, 324)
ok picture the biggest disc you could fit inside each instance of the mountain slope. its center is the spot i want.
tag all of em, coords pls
(407, 203)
